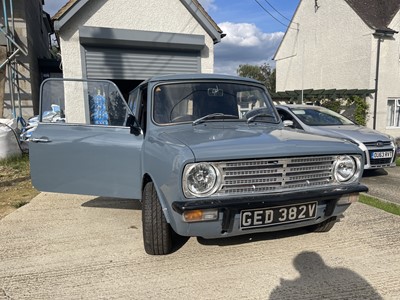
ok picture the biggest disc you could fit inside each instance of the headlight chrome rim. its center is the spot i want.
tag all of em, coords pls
(193, 175)
(347, 169)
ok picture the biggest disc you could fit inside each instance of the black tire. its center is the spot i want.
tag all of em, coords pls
(157, 233)
(325, 226)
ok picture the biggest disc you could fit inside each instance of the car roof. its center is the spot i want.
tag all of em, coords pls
(300, 106)
(199, 76)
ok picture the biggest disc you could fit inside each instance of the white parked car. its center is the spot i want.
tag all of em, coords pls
(379, 149)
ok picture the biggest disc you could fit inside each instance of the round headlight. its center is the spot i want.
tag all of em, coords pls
(345, 168)
(201, 179)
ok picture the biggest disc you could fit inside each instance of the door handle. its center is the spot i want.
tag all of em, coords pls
(40, 140)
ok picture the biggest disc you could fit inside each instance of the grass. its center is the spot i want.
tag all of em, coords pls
(398, 161)
(20, 204)
(384, 205)
(15, 184)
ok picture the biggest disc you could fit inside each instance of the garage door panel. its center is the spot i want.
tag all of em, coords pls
(138, 64)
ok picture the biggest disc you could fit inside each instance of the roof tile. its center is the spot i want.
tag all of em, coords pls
(375, 13)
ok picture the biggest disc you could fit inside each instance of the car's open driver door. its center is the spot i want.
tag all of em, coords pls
(82, 144)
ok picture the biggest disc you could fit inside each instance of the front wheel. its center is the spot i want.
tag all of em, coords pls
(157, 233)
(325, 226)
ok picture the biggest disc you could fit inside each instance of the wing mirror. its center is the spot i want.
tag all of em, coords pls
(288, 123)
(133, 125)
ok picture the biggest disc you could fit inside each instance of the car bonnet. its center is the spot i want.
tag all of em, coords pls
(211, 143)
(352, 132)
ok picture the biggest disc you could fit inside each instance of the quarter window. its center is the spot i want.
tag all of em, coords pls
(94, 102)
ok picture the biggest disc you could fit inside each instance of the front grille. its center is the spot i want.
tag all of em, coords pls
(382, 144)
(381, 161)
(274, 175)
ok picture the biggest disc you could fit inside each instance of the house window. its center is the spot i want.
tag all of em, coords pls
(393, 113)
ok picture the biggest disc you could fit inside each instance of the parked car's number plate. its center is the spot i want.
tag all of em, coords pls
(382, 154)
(262, 217)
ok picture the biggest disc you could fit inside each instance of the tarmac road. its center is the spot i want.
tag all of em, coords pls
(79, 247)
(383, 183)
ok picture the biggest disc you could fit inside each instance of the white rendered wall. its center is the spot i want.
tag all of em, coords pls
(389, 78)
(151, 15)
(331, 49)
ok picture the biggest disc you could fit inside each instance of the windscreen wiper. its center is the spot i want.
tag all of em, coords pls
(261, 114)
(213, 116)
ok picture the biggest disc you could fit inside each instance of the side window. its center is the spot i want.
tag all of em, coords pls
(52, 106)
(106, 104)
(94, 102)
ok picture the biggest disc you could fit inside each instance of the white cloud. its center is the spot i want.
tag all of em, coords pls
(244, 43)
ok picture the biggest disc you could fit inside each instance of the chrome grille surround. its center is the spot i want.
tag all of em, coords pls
(274, 175)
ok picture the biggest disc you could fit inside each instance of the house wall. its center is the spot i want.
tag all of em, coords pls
(389, 77)
(160, 16)
(331, 49)
(34, 40)
(38, 44)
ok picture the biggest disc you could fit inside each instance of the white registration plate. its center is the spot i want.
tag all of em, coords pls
(262, 217)
(382, 154)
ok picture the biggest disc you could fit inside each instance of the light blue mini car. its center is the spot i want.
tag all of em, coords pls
(207, 155)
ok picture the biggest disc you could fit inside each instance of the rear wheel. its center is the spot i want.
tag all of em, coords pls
(157, 233)
(325, 226)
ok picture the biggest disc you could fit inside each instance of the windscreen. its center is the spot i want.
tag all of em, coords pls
(320, 117)
(187, 102)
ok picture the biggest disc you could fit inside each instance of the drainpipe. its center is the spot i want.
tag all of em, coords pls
(381, 34)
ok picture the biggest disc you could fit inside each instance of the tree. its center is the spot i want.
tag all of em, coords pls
(263, 73)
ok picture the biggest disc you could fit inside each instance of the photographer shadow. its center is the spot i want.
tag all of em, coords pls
(319, 281)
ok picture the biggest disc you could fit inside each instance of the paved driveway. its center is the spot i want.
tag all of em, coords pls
(79, 247)
(384, 184)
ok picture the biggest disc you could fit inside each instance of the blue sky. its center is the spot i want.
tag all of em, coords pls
(252, 34)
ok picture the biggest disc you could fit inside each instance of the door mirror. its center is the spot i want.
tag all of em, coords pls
(288, 123)
(133, 125)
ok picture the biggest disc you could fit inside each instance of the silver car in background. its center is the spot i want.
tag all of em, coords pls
(379, 149)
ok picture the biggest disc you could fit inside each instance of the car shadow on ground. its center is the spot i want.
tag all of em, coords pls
(117, 203)
(252, 238)
(374, 173)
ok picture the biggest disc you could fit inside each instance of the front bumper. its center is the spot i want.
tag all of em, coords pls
(378, 163)
(229, 210)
